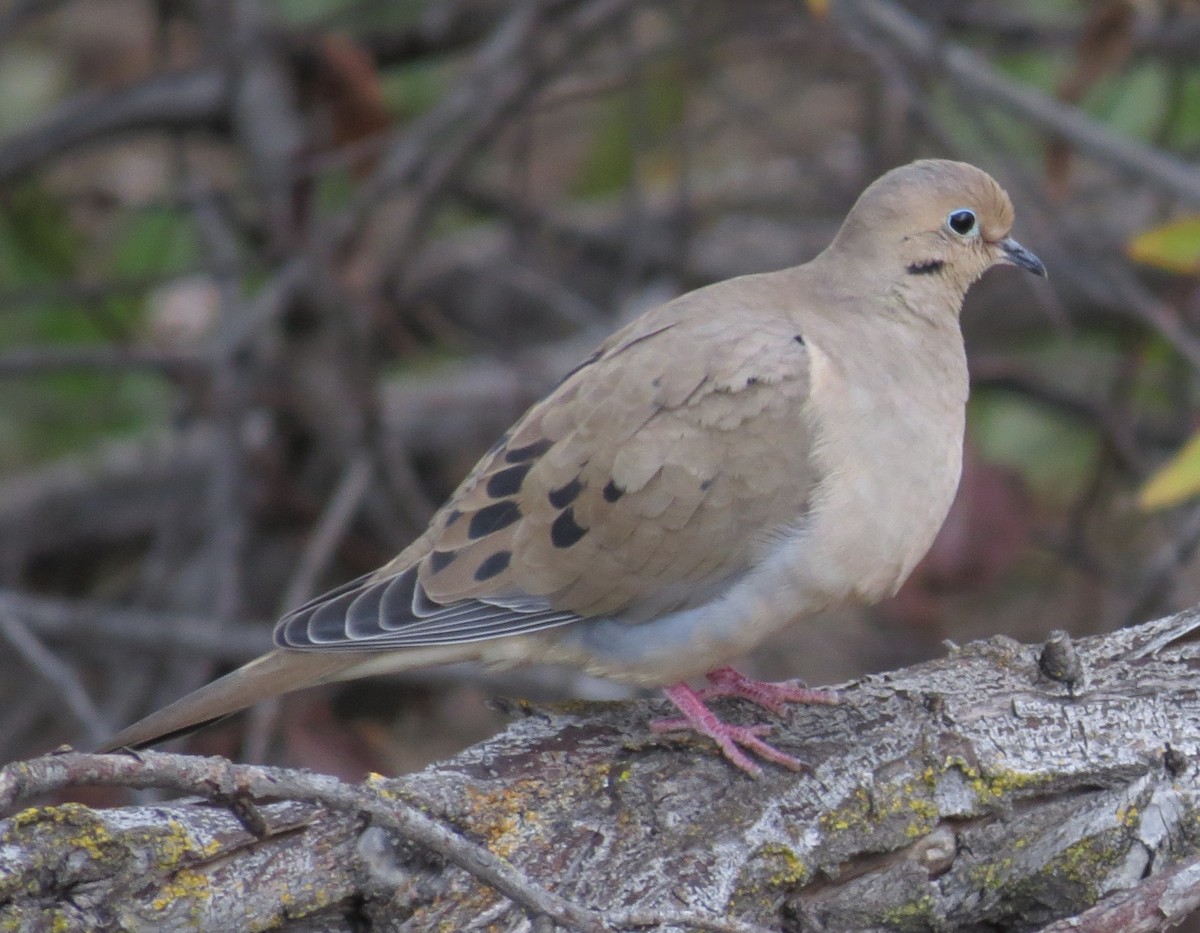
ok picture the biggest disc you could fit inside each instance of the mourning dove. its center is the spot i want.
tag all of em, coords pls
(729, 463)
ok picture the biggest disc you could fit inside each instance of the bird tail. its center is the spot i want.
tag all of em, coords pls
(280, 671)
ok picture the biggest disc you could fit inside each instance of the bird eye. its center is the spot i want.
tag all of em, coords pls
(962, 222)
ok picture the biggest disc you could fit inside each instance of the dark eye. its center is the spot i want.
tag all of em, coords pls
(961, 222)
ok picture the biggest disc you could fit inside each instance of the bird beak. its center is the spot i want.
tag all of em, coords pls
(1018, 255)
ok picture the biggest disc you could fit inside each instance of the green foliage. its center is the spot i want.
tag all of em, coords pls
(415, 88)
(623, 136)
(1053, 453)
(1184, 132)
(152, 243)
(1132, 101)
(40, 247)
(37, 243)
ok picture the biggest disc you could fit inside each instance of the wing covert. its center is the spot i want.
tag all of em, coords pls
(644, 480)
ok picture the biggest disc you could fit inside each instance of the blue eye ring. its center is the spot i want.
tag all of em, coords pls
(962, 222)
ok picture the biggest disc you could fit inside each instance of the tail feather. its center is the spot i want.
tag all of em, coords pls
(279, 672)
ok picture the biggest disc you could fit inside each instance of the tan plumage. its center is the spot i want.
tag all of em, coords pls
(734, 460)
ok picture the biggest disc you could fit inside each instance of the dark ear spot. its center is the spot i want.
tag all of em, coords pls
(926, 267)
(492, 518)
(566, 531)
(493, 565)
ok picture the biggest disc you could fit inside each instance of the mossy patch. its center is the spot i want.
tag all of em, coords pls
(907, 805)
(994, 785)
(767, 875)
(920, 913)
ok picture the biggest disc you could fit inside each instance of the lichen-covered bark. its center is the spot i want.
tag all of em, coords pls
(69, 868)
(965, 793)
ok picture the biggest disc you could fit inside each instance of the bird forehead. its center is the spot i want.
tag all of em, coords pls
(923, 194)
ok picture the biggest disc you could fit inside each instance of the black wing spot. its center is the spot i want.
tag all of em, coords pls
(563, 496)
(926, 267)
(492, 518)
(705, 484)
(440, 560)
(612, 492)
(492, 566)
(751, 381)
(566, 531)
(528, 452)
(799, 338)
(454, 516)
(507, 482)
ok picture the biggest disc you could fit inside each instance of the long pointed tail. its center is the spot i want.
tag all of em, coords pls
(279, 672)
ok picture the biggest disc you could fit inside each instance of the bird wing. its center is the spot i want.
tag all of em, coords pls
(644, 481)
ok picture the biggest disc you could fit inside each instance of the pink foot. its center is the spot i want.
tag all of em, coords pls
(728, 682)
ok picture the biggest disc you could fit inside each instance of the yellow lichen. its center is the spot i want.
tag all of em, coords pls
(911, 799)
(993, 785)
(185, 884)
(773, 866)
(1086, 862)
(499, 814)
(915, 914)
(993, 875)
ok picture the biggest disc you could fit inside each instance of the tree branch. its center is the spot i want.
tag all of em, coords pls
(968, 790)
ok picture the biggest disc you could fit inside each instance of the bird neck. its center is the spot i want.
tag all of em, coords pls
(932, 294)
(936, 297)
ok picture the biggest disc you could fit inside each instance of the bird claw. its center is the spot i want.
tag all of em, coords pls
(727, 682)
(732, 739)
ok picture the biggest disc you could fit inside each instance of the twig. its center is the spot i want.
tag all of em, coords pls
(161, 633)
(226, 481)
(69, 688)
(1159, 574)
(179, 101)
(329, 529)
(973, 73)
(18, 12)
(27, 361)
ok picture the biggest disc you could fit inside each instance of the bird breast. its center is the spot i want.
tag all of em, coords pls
(890, 454)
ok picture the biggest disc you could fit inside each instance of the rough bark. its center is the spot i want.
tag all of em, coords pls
(970, 792)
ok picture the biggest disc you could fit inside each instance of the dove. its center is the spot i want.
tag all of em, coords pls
(732, 462)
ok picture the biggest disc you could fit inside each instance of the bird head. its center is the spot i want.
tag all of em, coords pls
(933, 222)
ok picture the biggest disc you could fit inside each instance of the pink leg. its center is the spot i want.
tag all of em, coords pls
(726, 682)
(699, 718)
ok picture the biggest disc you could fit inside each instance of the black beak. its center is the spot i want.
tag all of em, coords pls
(1018, 255)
